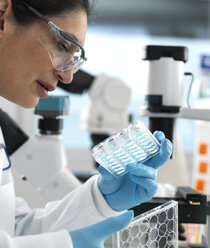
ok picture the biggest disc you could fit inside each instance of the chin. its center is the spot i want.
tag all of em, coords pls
(22, 101)
(28, 104)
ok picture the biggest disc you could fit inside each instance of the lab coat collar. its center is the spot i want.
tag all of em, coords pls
(4, 157)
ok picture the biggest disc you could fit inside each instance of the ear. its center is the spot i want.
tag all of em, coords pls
(5, 10)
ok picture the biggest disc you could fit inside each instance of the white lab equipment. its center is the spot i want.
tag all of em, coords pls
(134, 144)
(48, 173)
(164, 102)
(165, 89)
(108, 110)
(42, 158)
(156, 228)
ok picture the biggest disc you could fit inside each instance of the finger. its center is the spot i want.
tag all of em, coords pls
(112, 225)
(163, 155)
(106, 175)
(159, 135)
(150, 186)
(141, 170)
(146, 183)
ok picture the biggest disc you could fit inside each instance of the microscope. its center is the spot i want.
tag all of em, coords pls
(165, 89)
(163, 106)
(42, 158)
(108, 111)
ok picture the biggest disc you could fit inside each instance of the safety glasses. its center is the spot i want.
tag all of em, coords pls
(64, 50)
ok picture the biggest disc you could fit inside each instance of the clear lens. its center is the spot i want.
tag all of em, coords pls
(64, 55)
(78, 64)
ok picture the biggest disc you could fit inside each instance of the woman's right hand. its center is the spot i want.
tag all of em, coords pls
(94, 236)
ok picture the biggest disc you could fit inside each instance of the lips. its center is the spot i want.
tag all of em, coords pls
(44, 88)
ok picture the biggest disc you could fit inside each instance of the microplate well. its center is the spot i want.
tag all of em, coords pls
(157, 228)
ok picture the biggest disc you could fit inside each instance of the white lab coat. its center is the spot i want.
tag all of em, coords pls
(21, 227)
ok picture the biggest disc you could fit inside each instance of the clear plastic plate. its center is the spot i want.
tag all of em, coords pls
(133, 144)
(157, 228)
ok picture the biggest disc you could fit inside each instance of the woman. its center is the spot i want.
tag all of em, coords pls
(41, 42)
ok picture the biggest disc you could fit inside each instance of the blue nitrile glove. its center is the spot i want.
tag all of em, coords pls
(94, 236)
(139, 184)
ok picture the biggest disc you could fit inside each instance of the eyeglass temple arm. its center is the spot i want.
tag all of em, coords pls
(71, 39)
(55, 27)
(36, 12)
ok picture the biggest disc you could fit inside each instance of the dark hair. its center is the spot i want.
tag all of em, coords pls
(46, 7)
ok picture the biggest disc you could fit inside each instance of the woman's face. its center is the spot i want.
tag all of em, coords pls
(25, 63)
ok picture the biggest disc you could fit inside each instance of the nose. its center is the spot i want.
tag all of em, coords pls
(65, 76)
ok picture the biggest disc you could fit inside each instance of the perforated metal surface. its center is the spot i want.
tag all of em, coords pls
(157, 228)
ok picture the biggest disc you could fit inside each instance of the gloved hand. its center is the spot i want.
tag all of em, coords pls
(139, 184)
(95, 235)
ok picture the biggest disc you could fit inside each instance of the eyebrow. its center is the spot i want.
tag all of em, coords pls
(73, 37)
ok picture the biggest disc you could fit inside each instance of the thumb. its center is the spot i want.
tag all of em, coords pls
(106, 175)
(106, 228)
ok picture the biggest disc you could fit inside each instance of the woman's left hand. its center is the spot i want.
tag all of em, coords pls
(139, 184)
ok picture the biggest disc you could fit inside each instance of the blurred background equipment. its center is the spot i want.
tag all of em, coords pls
(165, 86)
(164, 99)
(163, 18)
(42, 158)
(201, 168)
(164, 96)
(107, 111)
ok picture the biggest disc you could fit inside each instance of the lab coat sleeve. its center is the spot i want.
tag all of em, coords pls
(82, 207)
(51, 240)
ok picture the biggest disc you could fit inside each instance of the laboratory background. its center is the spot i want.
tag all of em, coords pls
(118, 32)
